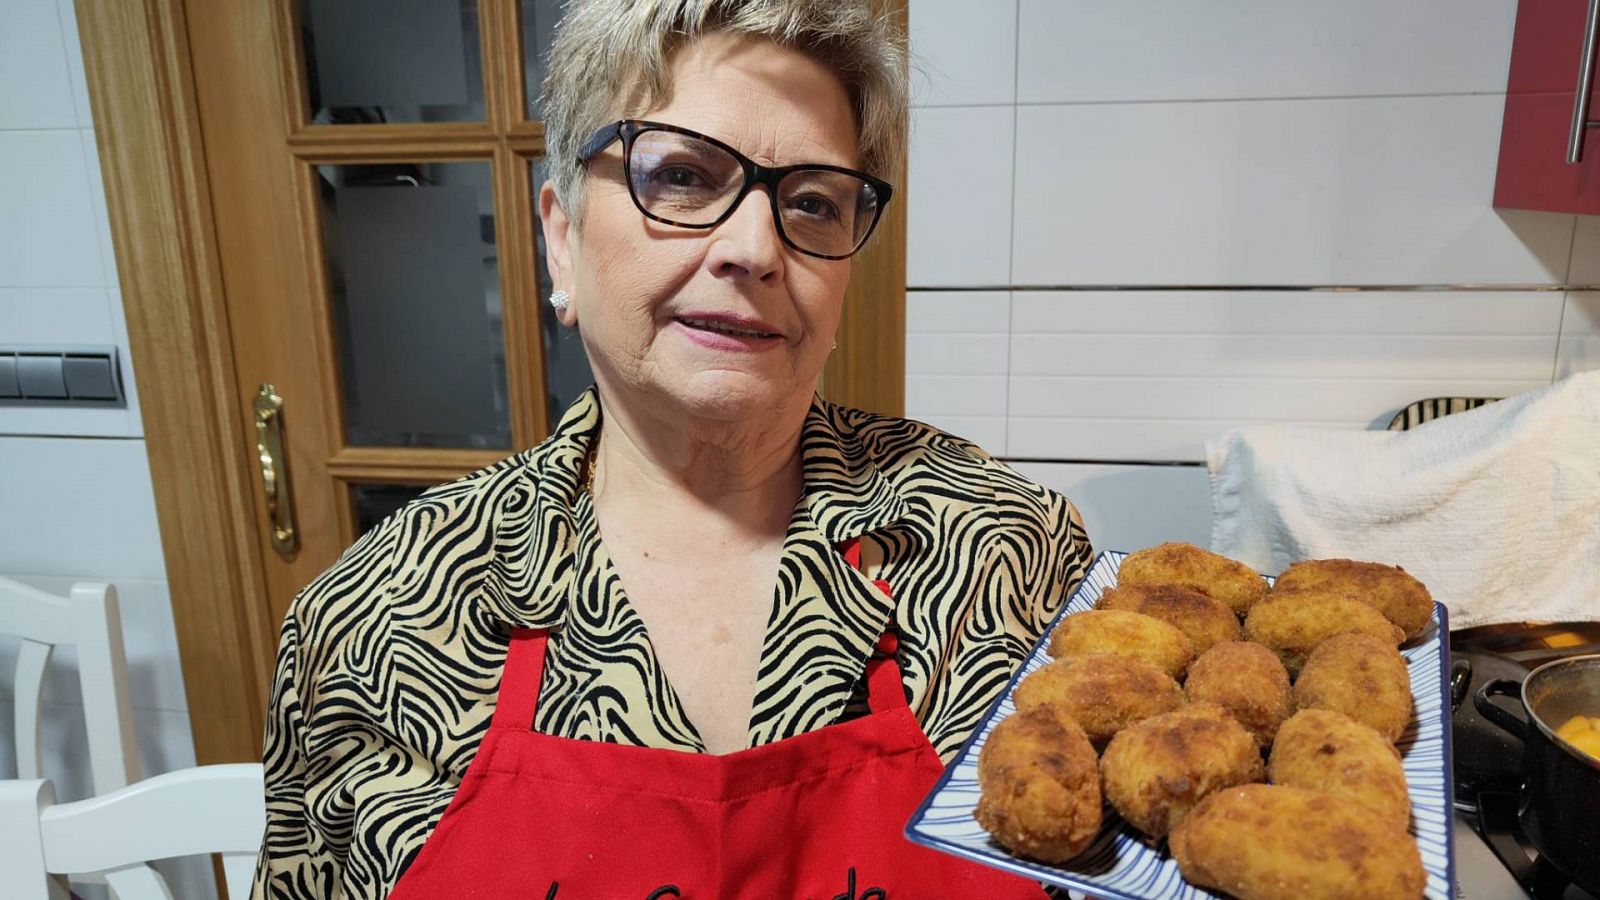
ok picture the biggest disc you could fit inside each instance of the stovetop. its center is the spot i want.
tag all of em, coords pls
(1487, 834)
(1480, 874)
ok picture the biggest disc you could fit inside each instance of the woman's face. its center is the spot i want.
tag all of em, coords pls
(638, 287)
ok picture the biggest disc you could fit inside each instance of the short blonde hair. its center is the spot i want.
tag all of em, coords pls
(608, 52)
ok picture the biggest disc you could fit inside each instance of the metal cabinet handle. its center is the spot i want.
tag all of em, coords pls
(1581, 122)
(275, 469)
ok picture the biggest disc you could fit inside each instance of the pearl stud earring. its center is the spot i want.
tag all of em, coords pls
(560, 300)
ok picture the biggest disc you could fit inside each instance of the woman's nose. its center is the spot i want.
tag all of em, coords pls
(746, 244)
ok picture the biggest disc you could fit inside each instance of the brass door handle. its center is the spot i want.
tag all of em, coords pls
(275, 469)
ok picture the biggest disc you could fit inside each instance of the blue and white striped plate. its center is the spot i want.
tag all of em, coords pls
(1119, 863)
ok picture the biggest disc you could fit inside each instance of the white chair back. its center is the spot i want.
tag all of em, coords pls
(208, 809)
(87, 618)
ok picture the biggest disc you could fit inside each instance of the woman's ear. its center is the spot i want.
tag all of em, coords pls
(559, 239)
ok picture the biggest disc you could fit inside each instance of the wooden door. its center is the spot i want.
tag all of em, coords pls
(324, 216)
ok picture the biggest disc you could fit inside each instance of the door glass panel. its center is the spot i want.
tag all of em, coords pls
(415, 284)
(539, 19)
(374, 502)
(382, 61)
(566, 366)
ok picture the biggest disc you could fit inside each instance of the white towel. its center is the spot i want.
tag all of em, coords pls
(1496, 510)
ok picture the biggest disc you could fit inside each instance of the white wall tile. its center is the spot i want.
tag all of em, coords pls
(959, 213)
(1149, 375)
(1357, 402)
(1582, 314)
(47, 228)
(1585, 268)
(1357, 191)
(74, 58)
(1132, 507)
(1120, 439)
(1490, 313)
(35, 88)
(44, 315)
(961, 312)
(961, 54)
(66, 422)
(1253, 356)
(957, 382)
(97, 201)
(80, 508)
(956, 360)
(958, 395)
(956, 354)
(1580, 334)
(1090, 50)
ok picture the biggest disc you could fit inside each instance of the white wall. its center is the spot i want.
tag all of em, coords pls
(1115, 210)
(75, 495)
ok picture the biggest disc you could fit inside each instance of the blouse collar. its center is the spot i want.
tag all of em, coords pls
(532, 571)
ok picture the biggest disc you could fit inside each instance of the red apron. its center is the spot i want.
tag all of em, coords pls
(818, 816)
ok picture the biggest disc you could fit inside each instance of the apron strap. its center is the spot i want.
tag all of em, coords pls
(518, 699)
(885, 686)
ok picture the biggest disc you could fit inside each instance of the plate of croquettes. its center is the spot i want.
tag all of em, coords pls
(1189, 728)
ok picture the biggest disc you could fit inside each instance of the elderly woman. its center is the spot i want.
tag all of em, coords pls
(715, 636)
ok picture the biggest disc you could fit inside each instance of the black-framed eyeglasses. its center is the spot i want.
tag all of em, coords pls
(684, 178)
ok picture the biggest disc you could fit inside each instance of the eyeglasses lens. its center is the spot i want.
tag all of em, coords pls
(686, 180)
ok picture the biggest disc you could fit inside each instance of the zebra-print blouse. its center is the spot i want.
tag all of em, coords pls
(389, 660)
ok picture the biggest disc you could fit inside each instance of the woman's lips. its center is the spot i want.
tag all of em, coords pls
(725, 333)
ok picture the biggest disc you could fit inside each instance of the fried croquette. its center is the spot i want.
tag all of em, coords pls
(1040, 785)
(1126, 634)
(1390, 590)
(1104, 692)
(1234, 583)
(1261, 842)
(1328, 751)
(1155, 771)
(1361, 676)
(1248, 681)
(1203, 620)
(1292, 623)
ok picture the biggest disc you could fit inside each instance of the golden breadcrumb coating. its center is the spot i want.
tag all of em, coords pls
(1271, 842)
(1104, 692)
(1126, 634)
(1186, 565)
(1040, 786)
(1390, 590)
(1361, 676)
(1154, 772)
(1203, 620)
(1248, 681)
(1292, 623)
(1328, 751)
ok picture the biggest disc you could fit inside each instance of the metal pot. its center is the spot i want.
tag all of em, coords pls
(1560, 785)
(1485, 757)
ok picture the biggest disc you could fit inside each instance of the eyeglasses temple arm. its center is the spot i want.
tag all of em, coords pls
(599, 141)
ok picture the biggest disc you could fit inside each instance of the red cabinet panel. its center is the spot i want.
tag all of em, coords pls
(1545, 57)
